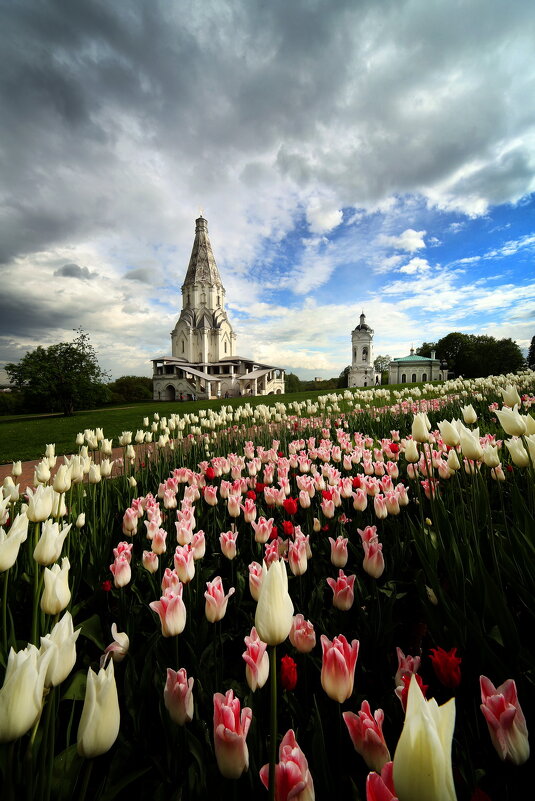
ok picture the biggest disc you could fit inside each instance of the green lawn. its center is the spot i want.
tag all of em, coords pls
(25, 436)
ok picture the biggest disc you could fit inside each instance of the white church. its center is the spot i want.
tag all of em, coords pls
(203, 361)
(362, 372)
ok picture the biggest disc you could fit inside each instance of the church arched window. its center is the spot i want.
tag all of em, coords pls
(225, 346)
(183, 346)
(424, 376)
(403, 378)
(354, 354)
(413, 378)
(364, 354)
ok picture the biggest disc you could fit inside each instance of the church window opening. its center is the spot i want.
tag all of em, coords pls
(354, 353)
(225, 347)
(183, 346)
(403, 378)
(364, 354)
(413, 378)
(424, 376)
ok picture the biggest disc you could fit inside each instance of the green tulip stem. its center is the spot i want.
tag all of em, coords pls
(4, 613)
(88, 767)
(36, 584)
(273, 716)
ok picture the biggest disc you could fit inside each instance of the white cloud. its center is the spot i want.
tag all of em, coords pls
(415, 265)
(322, 217)
(410, 240)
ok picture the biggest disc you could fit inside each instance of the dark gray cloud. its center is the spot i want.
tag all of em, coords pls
(75, 271)
(143, 274)
(28, 316)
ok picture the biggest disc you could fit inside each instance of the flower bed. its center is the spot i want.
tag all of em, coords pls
(297, 596)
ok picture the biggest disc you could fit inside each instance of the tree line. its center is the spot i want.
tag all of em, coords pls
(476, 355)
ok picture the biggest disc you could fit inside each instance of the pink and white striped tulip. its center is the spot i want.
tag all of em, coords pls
(343, 594)
(216, 600)
(302, 634)
(231, 725)
(178, 696)
(227, 541)
(366, 732)
(257, 661)
(338, 667)
(172, 612)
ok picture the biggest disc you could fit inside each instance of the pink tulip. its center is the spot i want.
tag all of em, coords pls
(227, 540)
(368, 534)
(130, 519)
(210, 495)
(339, 554)
(338, 667)
(304, 499)
(184, 532)
(505, 720)
(184, 564)
(233, 505)
(249, 510)
(327, 507)
(407, 665)
(262, 529)
(343, 594)
(257, 661)
(169, 499)
(360, 500)
(172, 612)
(302, 634)
(230, 731)
(373, 563)
(121, 570)
(297, 555)
(123, 549)
(381, 788)
(255, 580)
(380, 507)
(366, 732)
(158, 542)
(198, 545)
(293, 779)
(170, 581)
(178, 696)
(150, 561)
(216, 600)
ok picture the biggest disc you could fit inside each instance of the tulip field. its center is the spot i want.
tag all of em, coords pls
(291, 601)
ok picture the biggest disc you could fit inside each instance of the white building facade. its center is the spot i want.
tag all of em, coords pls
(412, 369)
(203, 361)
(362, 372)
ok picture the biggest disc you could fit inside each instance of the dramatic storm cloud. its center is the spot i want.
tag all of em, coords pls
(347, 154)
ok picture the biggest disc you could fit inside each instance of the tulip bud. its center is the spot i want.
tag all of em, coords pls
(411, 451)
(469, 414)
(10, 543)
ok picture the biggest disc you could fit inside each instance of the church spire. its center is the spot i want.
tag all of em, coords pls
(202, 268)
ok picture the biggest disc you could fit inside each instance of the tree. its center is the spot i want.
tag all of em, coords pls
(292, 383)
(426, 349)
(476, 356)
(131, 388)
(382, 363)
(531, 354)
(343, 378)
(63, 377)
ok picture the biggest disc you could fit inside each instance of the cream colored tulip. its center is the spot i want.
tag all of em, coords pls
(62, 643)
(518, 453)
(469, 414)
(511, 421)
(510, 396)
(21, 696)
(11, 542)
(48, 549)
(101, 717)
(449, 433)
(422, 762)
(470, 445)
(411, 451)
(56, 594)
(274, 611)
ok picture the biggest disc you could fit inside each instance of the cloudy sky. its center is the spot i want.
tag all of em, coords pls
(349, 155)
